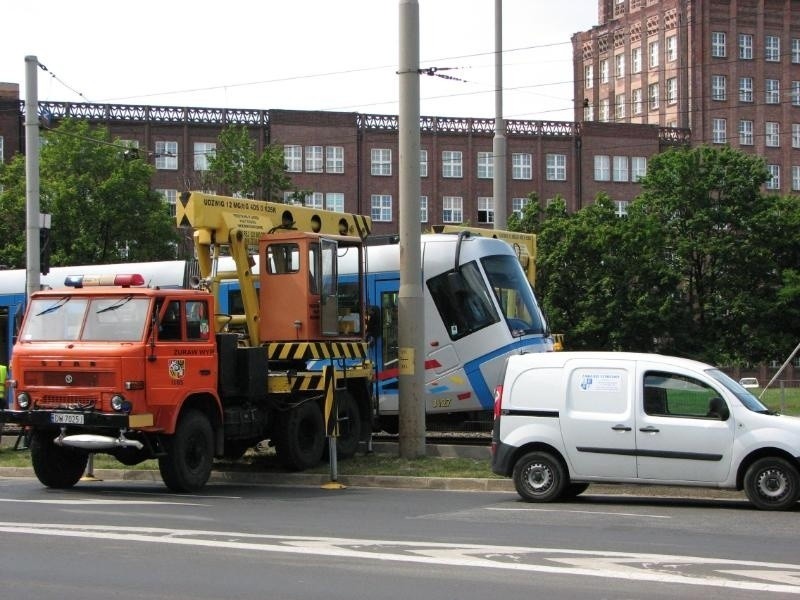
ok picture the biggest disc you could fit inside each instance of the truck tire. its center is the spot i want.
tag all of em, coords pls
(300, 439)
(539, 477)
(772, 483)
(186, 466)
(56, 466)
(349, 426)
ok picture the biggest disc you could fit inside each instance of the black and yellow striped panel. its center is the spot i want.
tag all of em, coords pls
(315, 350)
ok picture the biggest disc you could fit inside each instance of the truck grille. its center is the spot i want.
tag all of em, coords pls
(66, 401)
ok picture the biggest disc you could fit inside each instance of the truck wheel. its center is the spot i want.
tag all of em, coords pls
(56, 466)
(300, 439)
(190, 454)
(349, 426)
(772, 483)
(539, 477)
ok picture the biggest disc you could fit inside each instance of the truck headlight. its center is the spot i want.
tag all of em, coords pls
(119, 404)
(23, 400)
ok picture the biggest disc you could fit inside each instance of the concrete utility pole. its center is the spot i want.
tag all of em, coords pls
(499, 143)
(411, 334)
(32, 175)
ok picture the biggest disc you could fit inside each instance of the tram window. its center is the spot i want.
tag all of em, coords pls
(463, 301)
(514, 294)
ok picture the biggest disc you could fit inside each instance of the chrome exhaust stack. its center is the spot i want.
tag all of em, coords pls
(93, 442)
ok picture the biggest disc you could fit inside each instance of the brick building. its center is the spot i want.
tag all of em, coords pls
(349, 161)
(727, 70)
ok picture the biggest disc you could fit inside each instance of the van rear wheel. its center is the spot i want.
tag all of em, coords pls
(539, 477)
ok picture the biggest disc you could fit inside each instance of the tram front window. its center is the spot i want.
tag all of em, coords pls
(463, 301)
(514, 294)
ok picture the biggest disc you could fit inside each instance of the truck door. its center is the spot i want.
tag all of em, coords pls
(679, 434)
(184, 358)
(598, 420)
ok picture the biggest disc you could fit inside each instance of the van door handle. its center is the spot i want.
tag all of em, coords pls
(621, 428)
(649, 429)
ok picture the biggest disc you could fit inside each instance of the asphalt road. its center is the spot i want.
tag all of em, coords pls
(133, 539)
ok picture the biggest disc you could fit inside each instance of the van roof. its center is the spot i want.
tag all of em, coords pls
(559, 359)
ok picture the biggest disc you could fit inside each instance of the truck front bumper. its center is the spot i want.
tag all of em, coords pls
(75, 418)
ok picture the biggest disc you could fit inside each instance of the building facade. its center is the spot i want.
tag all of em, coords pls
(726, 70)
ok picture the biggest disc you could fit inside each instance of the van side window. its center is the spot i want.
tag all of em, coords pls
(672, 395)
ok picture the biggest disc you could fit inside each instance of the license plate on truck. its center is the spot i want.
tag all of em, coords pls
(66, 419)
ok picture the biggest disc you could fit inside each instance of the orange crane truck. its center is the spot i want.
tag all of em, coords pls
(110, 365)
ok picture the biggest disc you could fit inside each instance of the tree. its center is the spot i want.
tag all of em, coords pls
(102, 207)
(237, 167)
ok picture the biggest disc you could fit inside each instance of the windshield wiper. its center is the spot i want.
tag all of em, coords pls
(115, 306)
(61, 302)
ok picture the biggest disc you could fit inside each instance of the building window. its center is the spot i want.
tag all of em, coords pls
(334, 159)
(423, 209)
(293, 158)
(602, 168)
(620, 168)
(773, 91)
(588, 76)
(423, 163)
(619, 65)
(170, 199)
(745, 46)
(795, 178)
(605, 110)
(485, 210)
(719, 85)
(619, 107)
(773, 134)
(719, 131)
(672, 48)
(485, 165)
(556, 167)
(636, 101)
(652, 93)
(518, 206)
(588, 111)
(313, 159)
(796, 93)
(636, 60)
(381, 208)
(334, 201)
(315, 200)
(452, 209)
(2, 152)
(638, 168)
(672, 90)
(745, 132)
(604, 71)
(745, 89)
(381, 162)
(795, 51)
(795, 135)
(774, 181)
(521, 166)
(718, 44)
(653, 51)
(202, 152)
(621, 208)
(167, 155)
(451, 164)
(772, 48)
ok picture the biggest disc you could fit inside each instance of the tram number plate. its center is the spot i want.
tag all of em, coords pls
(66, 419)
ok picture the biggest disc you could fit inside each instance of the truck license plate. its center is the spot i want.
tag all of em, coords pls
(66, 419)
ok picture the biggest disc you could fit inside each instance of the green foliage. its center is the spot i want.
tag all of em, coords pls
(704, 265)
(102, 207)
(237, 167)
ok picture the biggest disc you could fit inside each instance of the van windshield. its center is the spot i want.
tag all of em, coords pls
(745, 397)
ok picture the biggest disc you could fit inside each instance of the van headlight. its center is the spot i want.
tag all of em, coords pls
(23, 400)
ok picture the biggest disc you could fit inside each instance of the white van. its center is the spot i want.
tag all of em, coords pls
(565, 419)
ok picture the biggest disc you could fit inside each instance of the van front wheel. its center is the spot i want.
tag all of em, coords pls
(772, 484)
(539, 477)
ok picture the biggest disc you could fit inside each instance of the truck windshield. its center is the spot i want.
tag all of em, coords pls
(110, 318)
(745, 397)
(514, 294)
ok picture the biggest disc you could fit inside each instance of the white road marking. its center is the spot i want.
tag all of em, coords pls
(585, 512)
(661, 568)
(96, 501)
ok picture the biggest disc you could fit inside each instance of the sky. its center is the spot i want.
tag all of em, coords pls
(332, 55)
